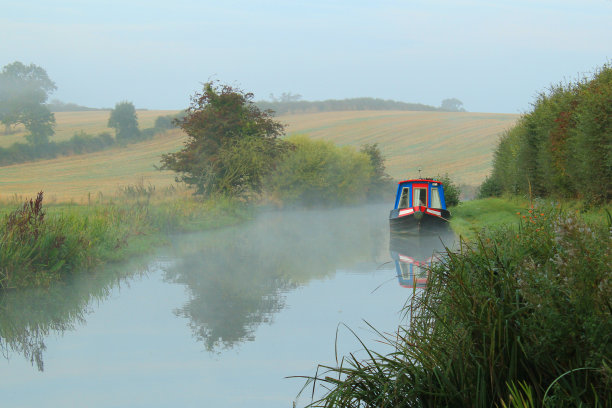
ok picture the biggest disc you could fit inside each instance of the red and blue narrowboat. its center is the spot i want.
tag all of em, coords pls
(419, 205)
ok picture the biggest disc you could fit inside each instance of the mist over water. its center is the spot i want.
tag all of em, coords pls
(220, 318)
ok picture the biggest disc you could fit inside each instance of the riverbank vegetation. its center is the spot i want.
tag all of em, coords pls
(562, 148)
(40, 245)
(519, 317)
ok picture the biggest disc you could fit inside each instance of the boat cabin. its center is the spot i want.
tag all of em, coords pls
(420, 193)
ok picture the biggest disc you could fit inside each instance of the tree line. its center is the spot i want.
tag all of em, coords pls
(24, 90)
(291, 104)
(562, 148)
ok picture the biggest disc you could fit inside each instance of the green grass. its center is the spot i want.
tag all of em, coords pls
(470, 217)
(40, 245)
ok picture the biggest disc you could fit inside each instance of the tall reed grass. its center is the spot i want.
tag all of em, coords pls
(522, 317)
(39, 246)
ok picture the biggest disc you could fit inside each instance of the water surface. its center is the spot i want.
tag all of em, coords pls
(218, 318)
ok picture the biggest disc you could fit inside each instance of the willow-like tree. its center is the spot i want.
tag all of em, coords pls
(231, 143)
(24, 89)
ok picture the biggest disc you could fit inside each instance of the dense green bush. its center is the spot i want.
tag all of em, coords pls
(317, 172)
(452, 192)
(522, 317)
(563, 147)
(490, 187)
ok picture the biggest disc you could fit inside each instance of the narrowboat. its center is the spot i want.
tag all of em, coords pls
(419, 205)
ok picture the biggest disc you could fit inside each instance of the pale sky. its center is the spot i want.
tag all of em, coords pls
(495, 56)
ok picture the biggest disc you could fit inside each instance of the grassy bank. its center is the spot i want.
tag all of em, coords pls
(471, 217)
(518, 317)
(41, 244)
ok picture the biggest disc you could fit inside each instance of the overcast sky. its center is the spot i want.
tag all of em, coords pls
(495, 56)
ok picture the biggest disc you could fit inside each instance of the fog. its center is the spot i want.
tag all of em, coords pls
(222, 316)
(494, 57)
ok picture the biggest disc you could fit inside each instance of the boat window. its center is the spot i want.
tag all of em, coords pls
(420, 197)
(435, 198)
(404, 198)
(405, 270)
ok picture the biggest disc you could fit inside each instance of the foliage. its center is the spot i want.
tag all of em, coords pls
(452, 192)
(452, 105)
(23, 92)
(490, 187)
(125, 122)
(38, 247)
(289, 103)
(518, 314)
(80, 143)
(317, 172)
(563, 147)
(380, 182)
(231, 143)
(58, 106)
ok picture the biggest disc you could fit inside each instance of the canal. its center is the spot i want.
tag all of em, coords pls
(227, 318)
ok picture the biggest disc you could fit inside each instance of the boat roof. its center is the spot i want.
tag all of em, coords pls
(421, 181)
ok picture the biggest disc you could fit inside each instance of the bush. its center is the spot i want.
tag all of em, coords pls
(452, 192)
(320, 173)
(490, 187)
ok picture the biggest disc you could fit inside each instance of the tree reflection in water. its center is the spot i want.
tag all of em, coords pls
(28, 316)
(236, 277)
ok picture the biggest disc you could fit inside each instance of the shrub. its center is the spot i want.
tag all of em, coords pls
(490, 187)
(320, 173)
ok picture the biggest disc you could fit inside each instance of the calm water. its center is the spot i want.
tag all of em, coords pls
(215, 319)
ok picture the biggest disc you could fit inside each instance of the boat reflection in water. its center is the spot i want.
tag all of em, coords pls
(413, 255)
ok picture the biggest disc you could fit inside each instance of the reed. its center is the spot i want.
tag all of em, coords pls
(39, 246)
(520, 317)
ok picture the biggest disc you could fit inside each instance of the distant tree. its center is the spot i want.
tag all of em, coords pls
(380, 182)
(125, 122)
(452, 105)
(286, 97)
(23, 91)
(231, 143)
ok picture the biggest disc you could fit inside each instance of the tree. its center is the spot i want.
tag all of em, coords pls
(380, 182)
(231, 143)
(23, 91)
(125, 122)
(452, 105)
(317, 172)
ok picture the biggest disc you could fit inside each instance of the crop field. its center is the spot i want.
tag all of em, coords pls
(90, 122)
(460, 144)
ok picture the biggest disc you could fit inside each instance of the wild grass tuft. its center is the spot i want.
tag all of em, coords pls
(517, 318)
(39, 246)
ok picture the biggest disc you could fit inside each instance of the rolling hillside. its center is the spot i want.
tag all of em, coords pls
(460, 143)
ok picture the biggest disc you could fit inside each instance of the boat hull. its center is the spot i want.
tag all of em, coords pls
(417, 220)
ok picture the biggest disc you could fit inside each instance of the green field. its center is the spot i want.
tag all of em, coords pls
(458, 143)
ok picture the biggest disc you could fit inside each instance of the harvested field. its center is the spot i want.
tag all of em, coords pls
(460, 144)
